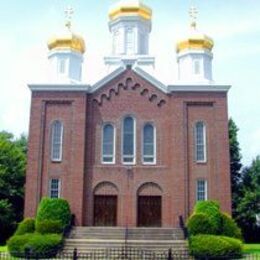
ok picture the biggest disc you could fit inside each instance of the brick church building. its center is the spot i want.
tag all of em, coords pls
(129, 150)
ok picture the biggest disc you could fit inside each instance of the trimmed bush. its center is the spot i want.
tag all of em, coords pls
(49, 227)
(16, 244)
(214, 246)
(212, 210)
(229, 227)
(26, 226)
(54, 209)
(42, 246)
(200, 223)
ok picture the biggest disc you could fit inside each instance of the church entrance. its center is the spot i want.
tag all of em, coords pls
(149, 211)
(105, 210)
(149, 205)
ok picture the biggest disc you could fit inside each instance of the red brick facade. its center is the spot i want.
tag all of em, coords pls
(83, 175)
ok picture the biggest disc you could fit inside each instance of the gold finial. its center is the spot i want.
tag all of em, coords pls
(193, 16)
(69, 11)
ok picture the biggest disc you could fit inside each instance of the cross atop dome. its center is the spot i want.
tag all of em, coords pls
(193, 16)
(69, 11)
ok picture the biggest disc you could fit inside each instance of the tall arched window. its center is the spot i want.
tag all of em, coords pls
(56, 144)
(128, 140)
(200, 142)
(149, 144)
(108, 145)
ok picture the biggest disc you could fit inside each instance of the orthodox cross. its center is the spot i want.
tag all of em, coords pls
(193, 15)
(69, 11)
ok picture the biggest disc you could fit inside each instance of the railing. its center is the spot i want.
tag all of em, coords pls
(129, 253)
(183, 227)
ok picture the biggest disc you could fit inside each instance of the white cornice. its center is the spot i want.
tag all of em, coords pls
(199, 88)
(106, 79)
(143, 74)
(59, 87)
(150, 79)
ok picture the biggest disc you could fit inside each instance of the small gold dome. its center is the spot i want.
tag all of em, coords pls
(195, 40)
(67, 40)
(130, 8)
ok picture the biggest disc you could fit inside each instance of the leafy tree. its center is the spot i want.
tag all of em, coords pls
(249, 201)
(12, 177)
(235, 164)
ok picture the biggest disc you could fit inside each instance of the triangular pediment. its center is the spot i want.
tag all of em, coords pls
(129, 80)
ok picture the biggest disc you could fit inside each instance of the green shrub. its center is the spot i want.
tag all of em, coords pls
(42, 246)
(49, 227)
(200, 223)
(214, 246)
(26, 226)
(229, 227)
(54, 209)
(212, 210)
(16, 244)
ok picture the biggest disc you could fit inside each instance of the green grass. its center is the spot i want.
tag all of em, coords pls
(251, 248)
(3, 248)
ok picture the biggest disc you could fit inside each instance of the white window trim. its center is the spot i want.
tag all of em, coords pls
(59, 187)
(206, 189)
(61, 143)
(204, 140)
(154, 142)
(114, 144)
(122, 142)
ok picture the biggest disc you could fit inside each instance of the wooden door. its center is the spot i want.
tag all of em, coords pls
(105, 210)
(149, 211)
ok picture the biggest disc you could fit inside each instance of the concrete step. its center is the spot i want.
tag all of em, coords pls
(88, 245)
(132, 233)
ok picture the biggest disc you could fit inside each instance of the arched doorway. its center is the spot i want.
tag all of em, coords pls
(149, 205)
(105, 204)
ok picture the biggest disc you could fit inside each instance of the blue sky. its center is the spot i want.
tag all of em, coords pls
(234, 25)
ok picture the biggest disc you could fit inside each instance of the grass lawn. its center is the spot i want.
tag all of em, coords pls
(252, 248)
(3, 248)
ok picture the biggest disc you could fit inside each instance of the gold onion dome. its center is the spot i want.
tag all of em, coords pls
(67, 40)
(195, 39)
(130, 8)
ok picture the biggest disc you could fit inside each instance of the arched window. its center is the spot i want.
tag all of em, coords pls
(56, 144)
(130, 41)
(149, 144)
(200, 142)
(108, 145)
(128, 140)
(197, 67)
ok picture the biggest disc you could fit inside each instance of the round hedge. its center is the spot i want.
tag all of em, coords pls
(54, 209)
(26, 226)
(40, 246)
(229, 227)
(200, 223)
(49, 227)
(203, 246)
(212, 210)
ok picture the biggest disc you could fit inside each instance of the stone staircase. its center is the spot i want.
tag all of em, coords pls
(87, 239)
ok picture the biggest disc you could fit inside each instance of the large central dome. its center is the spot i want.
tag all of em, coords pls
(130, 8)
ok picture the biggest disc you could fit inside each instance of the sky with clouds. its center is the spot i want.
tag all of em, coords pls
(234, 25)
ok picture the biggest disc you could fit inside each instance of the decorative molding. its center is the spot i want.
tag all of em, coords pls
(59, 87)
(129, 85)
(198, 88)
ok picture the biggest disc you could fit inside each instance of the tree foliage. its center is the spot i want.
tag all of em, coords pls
(235, 164)
(249, 202)
(12, 177)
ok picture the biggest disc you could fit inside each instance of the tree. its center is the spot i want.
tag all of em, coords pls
(12, 178)
(249, 202)
(235, 164)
